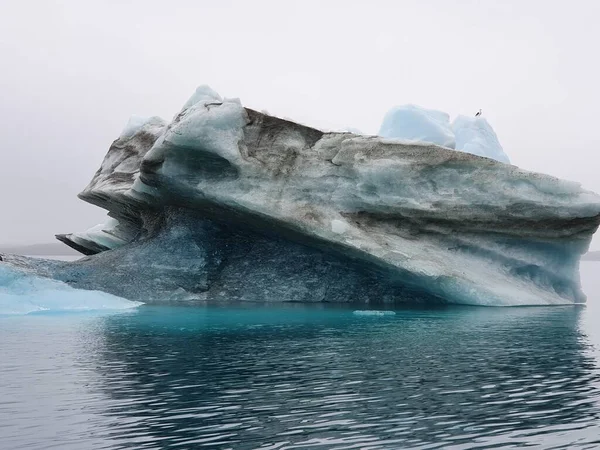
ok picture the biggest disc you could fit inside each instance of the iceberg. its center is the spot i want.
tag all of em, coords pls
(225, 203)
(24, 293)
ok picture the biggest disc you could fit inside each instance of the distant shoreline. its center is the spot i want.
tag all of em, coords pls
(59, 249)
(49, 249)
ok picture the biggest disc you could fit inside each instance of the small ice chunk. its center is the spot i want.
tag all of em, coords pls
(414, 123)
(373, 313)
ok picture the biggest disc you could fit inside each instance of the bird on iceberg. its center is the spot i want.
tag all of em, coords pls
(206, 105)
(478, 113)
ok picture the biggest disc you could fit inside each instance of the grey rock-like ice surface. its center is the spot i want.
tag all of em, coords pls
(226, 203)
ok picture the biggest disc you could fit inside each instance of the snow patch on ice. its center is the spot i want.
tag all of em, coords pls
(339, 226)
(23, 293)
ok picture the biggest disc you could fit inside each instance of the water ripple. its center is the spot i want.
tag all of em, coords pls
(301, 377)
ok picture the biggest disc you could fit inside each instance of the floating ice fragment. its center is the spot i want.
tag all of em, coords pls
(373, 313)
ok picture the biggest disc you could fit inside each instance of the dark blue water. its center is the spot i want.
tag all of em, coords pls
(303, 377)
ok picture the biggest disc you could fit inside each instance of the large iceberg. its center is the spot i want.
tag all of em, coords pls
(226, 203)
(414, 124)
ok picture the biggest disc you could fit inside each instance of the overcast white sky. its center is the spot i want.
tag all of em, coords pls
(73, 71)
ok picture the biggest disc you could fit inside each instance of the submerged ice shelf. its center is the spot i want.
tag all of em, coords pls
(22, 292)
(226, 203)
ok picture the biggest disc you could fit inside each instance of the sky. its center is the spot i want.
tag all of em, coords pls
(72, 72)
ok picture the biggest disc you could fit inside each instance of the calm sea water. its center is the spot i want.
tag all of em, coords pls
(304, 377)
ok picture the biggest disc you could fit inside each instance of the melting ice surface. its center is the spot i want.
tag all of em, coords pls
(23, 293)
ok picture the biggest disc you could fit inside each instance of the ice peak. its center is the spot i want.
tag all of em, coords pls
(466, 134)
(415, 123)
(476, 136)
(203, 93)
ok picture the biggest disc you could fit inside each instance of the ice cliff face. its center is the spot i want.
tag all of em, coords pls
(226, 203)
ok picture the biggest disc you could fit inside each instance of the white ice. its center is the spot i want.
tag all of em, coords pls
(102, 234)
(414, 123)
(208, 119)
(204, 94)
(339, 226)
(23, 293)
(134, 124)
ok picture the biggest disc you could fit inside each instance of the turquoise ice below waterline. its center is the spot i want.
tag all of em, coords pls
(302, 376)
(23, 293)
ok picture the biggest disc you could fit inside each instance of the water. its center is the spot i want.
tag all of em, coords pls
(304, 377)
